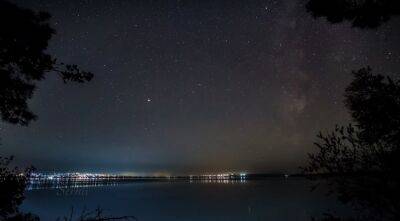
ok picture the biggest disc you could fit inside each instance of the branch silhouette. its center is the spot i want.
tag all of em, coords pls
(24, 37)
(365, 14)
(361, 159)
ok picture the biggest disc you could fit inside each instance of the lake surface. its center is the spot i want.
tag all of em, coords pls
(269, 199)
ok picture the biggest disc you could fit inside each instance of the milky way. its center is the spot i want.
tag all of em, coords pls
(193, 86)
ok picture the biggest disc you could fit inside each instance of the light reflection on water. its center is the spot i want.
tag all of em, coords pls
(99, 183)
(82, 188)
(66, 185)
(181, 200)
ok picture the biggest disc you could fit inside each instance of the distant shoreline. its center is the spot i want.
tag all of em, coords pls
(61, 181)
(78, 177)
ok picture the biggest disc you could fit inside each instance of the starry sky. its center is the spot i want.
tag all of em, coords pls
(193, 86)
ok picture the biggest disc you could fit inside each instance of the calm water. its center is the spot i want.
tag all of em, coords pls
(271, 199)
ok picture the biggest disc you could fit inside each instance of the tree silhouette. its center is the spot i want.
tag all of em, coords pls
(362, 159)
(24, 37)
(12, 187)
(361, 13)
(374, 104)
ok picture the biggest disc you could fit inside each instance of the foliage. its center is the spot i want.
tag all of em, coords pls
(24, 37)
(340, 152)
(95, 215)
(374, 104)
(362, 159)
(361, 13)
(24, 217)
(12, 187)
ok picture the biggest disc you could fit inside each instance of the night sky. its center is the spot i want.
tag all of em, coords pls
(193, 86)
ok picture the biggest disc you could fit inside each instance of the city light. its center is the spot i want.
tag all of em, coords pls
(78, 176)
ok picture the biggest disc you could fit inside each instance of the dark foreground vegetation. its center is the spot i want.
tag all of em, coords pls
(360, 159)
(24, 36)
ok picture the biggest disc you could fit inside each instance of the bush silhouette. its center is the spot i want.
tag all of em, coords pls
(361, 159)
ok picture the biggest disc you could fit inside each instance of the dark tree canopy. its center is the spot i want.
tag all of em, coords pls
(373, 101)
(364, 157)
(374, 104)
(24, 37)
(361, 13)
(12, 187)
